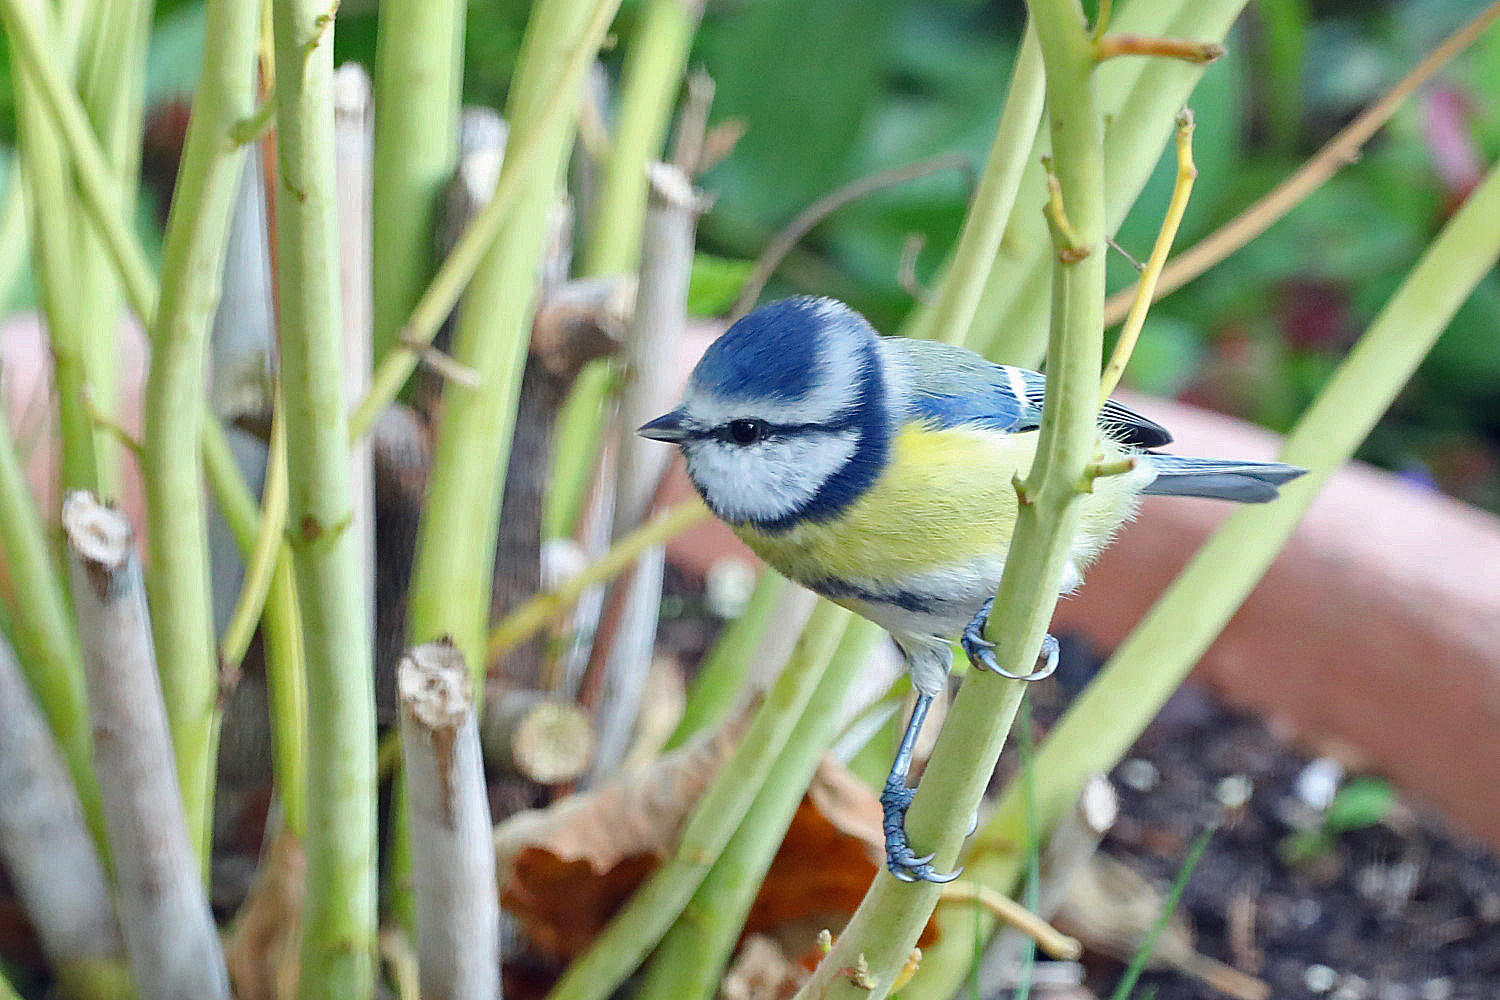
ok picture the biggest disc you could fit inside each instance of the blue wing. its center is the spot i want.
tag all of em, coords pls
(953, 386)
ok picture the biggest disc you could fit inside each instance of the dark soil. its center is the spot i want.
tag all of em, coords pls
(1402, 909)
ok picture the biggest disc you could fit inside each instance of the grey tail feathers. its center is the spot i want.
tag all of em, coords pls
(1219, 479)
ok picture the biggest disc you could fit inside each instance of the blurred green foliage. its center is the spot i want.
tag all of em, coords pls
(831, 91)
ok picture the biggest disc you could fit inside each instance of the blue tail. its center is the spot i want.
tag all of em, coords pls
(1219, 479)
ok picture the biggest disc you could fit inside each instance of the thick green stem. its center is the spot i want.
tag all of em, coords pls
(885, 928)
(641, 923)
(450, 590)
(419, 64)
(690, 960)
(192, 258)
(1139, 99)
(338, 933)
(42, 628)
(56, 251)
(1152, 662)
(648, 90)
(112, 82)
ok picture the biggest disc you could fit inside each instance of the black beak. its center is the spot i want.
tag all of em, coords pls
(667, 427)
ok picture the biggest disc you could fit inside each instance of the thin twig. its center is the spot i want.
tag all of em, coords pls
(1337, 153)
(791, 235)
(1186, 49)
(533, 616)
(1182, 189)
(1048, 938)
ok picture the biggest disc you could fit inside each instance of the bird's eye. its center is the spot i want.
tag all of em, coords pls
(746, 431)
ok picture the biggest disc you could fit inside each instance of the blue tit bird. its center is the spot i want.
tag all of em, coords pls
(877, 472)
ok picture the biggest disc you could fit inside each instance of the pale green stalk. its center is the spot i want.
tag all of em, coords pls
(1153, 661)
(1140, 99)
(450, 590)
(286, 681)
(419, 61)
(112, 82)
(101, 196)
(339, 921)
(690, 960)
(44, 634)
(957, 297)
(13, 233)
(721, 678)
(171, 467)
(55, 247)
(649, 83)
(469, 253)
(640, 924)
(884, 929)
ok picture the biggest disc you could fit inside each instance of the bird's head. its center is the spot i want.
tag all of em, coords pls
(785, 417)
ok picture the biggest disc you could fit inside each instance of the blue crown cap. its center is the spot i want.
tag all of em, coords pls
(768, 353)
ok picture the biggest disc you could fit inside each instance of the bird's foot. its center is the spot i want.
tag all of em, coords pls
(981, 651)
(903, 862)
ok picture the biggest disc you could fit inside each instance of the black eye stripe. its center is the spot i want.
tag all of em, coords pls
(769, 431)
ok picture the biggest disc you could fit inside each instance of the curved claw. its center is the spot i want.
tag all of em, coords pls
(981, 651)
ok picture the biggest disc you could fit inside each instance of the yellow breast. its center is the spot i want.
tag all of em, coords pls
(945, 498)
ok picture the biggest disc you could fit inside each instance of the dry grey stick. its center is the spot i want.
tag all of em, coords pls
(169, 932)
(353, 144)
(623, 657)
(453, 860)
(44, 842)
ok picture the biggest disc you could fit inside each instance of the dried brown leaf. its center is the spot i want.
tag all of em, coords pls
(262, 949)
(565, 870)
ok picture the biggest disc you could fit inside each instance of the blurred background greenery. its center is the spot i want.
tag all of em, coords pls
(830, 91)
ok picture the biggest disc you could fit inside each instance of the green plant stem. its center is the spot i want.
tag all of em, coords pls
(112, 82)
(176, 516)
(1140, 99)
(101, 194)
(56, 252)
(263, 553)
(952, 311)
(885, 928)
(338, 933)
(456, 540)
(690, 960)
(286, 681)
(1104, 721)
(13, 234)
(479, 236)
(659, 901)
(649, 83)
(419, 62)
(721, 679)
(44, 633)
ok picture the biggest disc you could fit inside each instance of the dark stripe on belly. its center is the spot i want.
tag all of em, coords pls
(908, 600)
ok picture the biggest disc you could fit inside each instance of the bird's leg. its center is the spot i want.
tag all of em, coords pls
(981, 651)
(903, 862)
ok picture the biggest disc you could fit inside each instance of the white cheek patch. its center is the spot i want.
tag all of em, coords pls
(770, 480)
